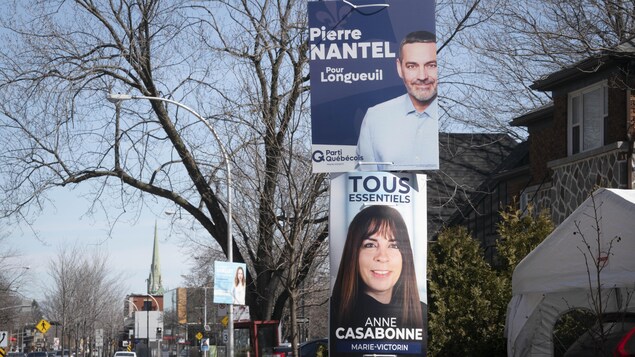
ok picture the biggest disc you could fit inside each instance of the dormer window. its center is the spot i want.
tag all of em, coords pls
(588, 116)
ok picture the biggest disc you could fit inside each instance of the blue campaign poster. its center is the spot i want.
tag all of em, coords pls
(355, 67)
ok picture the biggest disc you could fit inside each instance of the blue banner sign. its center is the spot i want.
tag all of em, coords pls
(373, 85)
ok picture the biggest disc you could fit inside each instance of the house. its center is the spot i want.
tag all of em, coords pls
(580, 144)
(581, 141)
(584, 139)
(498, 190)
(477, 173)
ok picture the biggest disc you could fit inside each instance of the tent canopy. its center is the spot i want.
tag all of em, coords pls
(561, 274)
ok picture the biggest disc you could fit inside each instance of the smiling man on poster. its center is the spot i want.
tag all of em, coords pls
(362, 55)
(402, 133)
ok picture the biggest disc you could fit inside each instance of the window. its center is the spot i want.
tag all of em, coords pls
(588, 116)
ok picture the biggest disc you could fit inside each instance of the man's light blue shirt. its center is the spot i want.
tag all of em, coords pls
(394, 132)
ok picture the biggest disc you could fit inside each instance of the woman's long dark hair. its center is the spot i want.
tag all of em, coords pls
(348, 284)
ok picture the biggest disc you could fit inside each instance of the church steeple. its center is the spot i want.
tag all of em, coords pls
(155, 287)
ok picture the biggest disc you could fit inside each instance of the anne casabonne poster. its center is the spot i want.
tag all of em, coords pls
(373, 85)
(378, 250)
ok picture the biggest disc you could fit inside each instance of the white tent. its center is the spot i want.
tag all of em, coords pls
(558, 275)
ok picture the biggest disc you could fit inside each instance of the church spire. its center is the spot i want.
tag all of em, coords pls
(155, 287)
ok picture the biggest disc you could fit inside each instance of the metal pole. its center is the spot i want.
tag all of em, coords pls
(116, 98)
(205, 307)
(149, 353)
(205, 314)
(148, 326)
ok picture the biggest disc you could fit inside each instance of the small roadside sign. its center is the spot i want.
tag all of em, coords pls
(99, 338)
(199, 336)
(2, 352)
(43, 326)
(4, 339)
(205, 345)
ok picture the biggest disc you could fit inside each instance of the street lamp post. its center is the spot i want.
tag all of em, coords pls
(130, 303)
(148, 325)
(205, 307)
(117, 98)
(136, 323)
(6, 287)
(14, 307)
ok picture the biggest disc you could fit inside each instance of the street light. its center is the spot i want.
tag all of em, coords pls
(148, 323)
(117, 98)
(14, 307)
(130, 303)
(6, 287)
(127, 317)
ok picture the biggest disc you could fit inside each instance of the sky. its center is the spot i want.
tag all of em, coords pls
(129, 247)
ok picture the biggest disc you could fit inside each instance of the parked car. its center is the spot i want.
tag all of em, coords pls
(37, 354)
(315, 348)
(125, 354)
(619, 338)
(280, 351)
(307, 349)
(16, 354)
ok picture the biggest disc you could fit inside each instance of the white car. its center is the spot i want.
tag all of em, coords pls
(125, 354)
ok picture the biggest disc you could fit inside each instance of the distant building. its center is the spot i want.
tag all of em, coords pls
(144, 312)
(155, 286)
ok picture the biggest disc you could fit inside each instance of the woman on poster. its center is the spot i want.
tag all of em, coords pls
(375, 295)
(238, 291)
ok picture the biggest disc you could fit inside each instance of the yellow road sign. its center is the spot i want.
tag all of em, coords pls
(199, 336)
(2, 352)
(43, 326)
(225, 321)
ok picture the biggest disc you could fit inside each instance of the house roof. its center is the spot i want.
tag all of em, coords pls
(592, 64)
(516, 163)
(466, 162)
(536, 115)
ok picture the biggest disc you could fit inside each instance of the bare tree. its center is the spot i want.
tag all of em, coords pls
(596, 251)
(525, 40)
(13, 276)
(466, 87)
(242, 64)
(82, 294)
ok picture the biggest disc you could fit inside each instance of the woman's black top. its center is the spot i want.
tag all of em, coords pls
(376, 328)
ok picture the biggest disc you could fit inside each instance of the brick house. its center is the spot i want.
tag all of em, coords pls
(584, 139)
(580, 141)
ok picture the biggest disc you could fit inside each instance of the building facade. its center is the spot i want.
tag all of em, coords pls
(584, 139)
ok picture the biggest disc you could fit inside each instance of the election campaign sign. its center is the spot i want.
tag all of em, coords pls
(230, 283)
(378, 250)
(373, 85)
